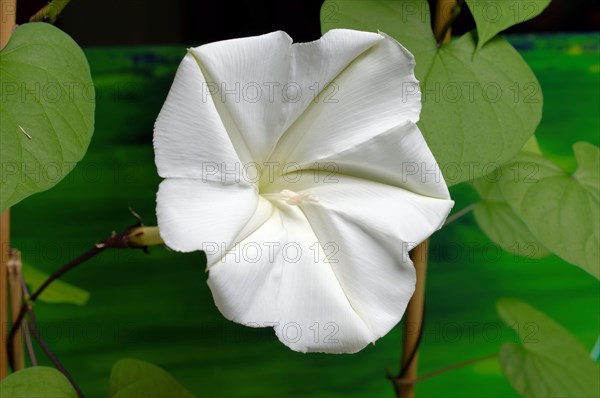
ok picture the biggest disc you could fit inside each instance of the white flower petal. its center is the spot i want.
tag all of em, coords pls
(195, 215)
(262, 84)
(246, 76)
(383, 210)
(245, 283)
(295, 291)
(375, 93)
(373, 270)
(399, 157)
(315, 65)
(189, 137)
(353, 276)
(374, 226)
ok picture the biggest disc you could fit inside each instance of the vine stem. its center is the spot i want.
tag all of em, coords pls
(50, 12)
(413, 320)
(27, 308)
(26, 328)
(4, 240)
(413, 325)
(446, 369)
(36, 335)
(459, 214)
(137, 236)
(8, 19)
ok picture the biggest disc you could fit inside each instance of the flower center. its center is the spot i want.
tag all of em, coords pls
(294, 199)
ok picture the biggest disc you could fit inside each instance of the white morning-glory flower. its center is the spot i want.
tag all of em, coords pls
(306, 205)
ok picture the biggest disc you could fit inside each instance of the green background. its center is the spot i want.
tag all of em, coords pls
(158, 308)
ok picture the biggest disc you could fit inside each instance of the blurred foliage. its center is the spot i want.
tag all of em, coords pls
(133, 378)
(58, 292)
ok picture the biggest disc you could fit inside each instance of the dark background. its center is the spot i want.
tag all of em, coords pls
(128, 22)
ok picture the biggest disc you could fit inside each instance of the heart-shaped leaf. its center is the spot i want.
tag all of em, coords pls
(479, 108)
(501, 224)
(133, 378)
(493, 16)
(47, 110)
(38, 382)
(588, 172)
(562, 211)
(551, 362)
(475, 115)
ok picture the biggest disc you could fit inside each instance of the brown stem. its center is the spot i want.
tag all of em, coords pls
(445, 13)
(132, 237)
(4, 240)
(50, 12)
(413, 324)
(14, 266)
(8, 20)
(413, 320)
(27, 304)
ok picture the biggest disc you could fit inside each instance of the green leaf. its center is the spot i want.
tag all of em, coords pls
(38, 382)
(562, 211)
(47, 110)
(494, 16)
(475, 115)
(532, 146)
(132, 378)
(58, 291)
(501, 224)
(478, 109)
(551, 362)
(588, 173)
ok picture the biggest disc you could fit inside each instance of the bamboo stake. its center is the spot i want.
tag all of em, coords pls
(416, 306)
(4, 237)
(14, 266)
(413, 322)
(8, 19)
(443, 14)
